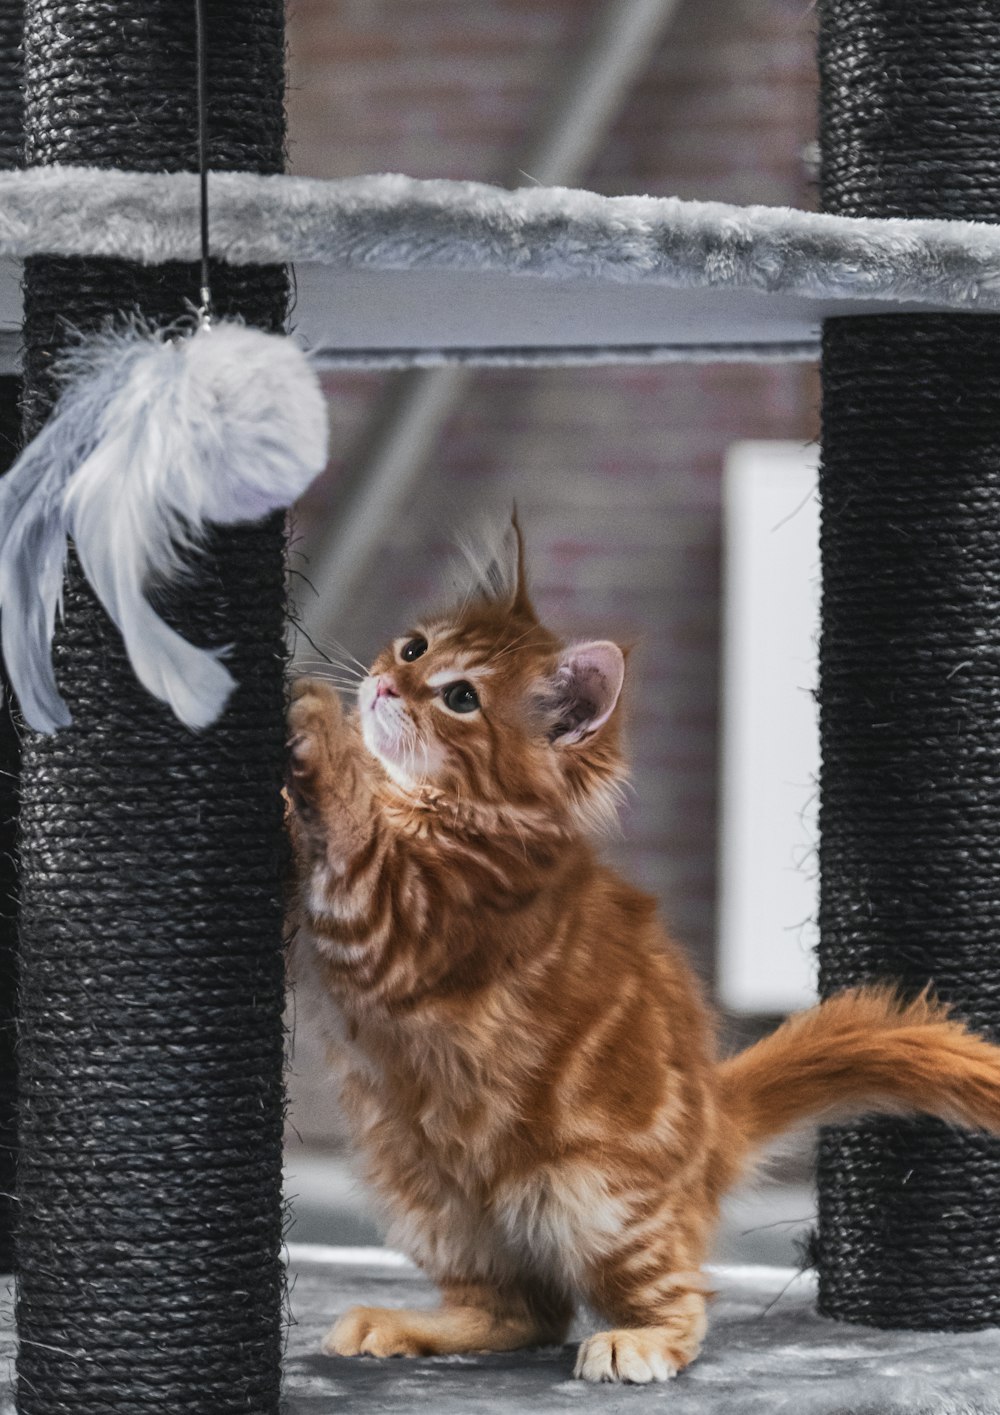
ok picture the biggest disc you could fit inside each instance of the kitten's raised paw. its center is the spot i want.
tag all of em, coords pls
(373, 1331)
(637, 1356)
(315, 708)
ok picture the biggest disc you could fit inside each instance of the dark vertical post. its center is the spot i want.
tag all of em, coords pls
(11, 140)
(909, 1211)
(11, 96)
(10, 760)
(148, 1239)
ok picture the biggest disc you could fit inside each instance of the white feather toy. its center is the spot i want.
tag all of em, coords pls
(156, 436)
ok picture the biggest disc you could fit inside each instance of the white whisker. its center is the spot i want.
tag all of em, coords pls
(347, 669)
(343, 649)
(319, 671)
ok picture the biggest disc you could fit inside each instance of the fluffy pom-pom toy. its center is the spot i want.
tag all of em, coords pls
(155, 436)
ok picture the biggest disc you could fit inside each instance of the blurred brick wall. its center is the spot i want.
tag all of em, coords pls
(616, 471)
(433, 88)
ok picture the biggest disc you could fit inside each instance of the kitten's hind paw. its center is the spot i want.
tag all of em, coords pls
(373, 1331)
(637, 1356)
(445, 1331)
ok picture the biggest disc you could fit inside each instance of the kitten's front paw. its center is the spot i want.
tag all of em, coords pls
(372, 1331)
(315, 709)
(635, 1356)
(314, 714)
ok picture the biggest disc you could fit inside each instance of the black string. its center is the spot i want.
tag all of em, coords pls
(205, 293)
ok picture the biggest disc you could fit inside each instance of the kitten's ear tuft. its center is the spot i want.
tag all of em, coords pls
(498, 565)
(588, 684)
(520, 600)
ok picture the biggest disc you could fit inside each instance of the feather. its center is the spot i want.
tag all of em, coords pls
(156, 436)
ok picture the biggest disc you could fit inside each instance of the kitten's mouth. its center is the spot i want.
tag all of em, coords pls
(387, 730)
(391, 736)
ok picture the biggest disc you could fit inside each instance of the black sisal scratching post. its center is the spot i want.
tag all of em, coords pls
(10, 756)
(11, 141)
(11, 97)
(909, 1212)
(151, 1043)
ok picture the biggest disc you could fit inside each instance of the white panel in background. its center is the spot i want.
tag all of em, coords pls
(770, 757)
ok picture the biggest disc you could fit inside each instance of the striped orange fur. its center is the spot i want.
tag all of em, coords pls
(524, 1056)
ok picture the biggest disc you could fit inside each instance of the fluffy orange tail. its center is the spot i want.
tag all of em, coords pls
(863, 1051)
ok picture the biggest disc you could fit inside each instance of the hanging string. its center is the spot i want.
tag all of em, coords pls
(205, 313)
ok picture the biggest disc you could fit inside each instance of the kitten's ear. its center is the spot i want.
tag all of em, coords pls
(588, 684)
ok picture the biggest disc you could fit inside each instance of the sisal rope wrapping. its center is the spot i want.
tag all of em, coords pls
(11, 97)
(11, 140)
(149, 1235)
(909, 1211)
(10, 759)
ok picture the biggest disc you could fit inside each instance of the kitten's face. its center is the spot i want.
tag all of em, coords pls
(455, 702)
(487, 706)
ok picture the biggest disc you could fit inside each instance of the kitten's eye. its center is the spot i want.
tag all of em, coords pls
(416, 648)
(460, 697)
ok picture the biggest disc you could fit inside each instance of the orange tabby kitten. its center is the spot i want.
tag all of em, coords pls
(525, 1057)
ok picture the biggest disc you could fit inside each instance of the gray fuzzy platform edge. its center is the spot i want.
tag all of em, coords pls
(393, 222)
(767, 1353)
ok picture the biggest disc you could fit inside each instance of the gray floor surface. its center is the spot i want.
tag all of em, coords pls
(767, 1353)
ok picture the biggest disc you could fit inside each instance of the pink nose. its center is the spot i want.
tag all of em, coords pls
(386, 687)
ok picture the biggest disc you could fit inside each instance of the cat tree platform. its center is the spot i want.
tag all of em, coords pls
(396, 272)
(767, 1353)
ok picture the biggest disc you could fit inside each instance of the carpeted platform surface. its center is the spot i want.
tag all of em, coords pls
(767, 1353)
